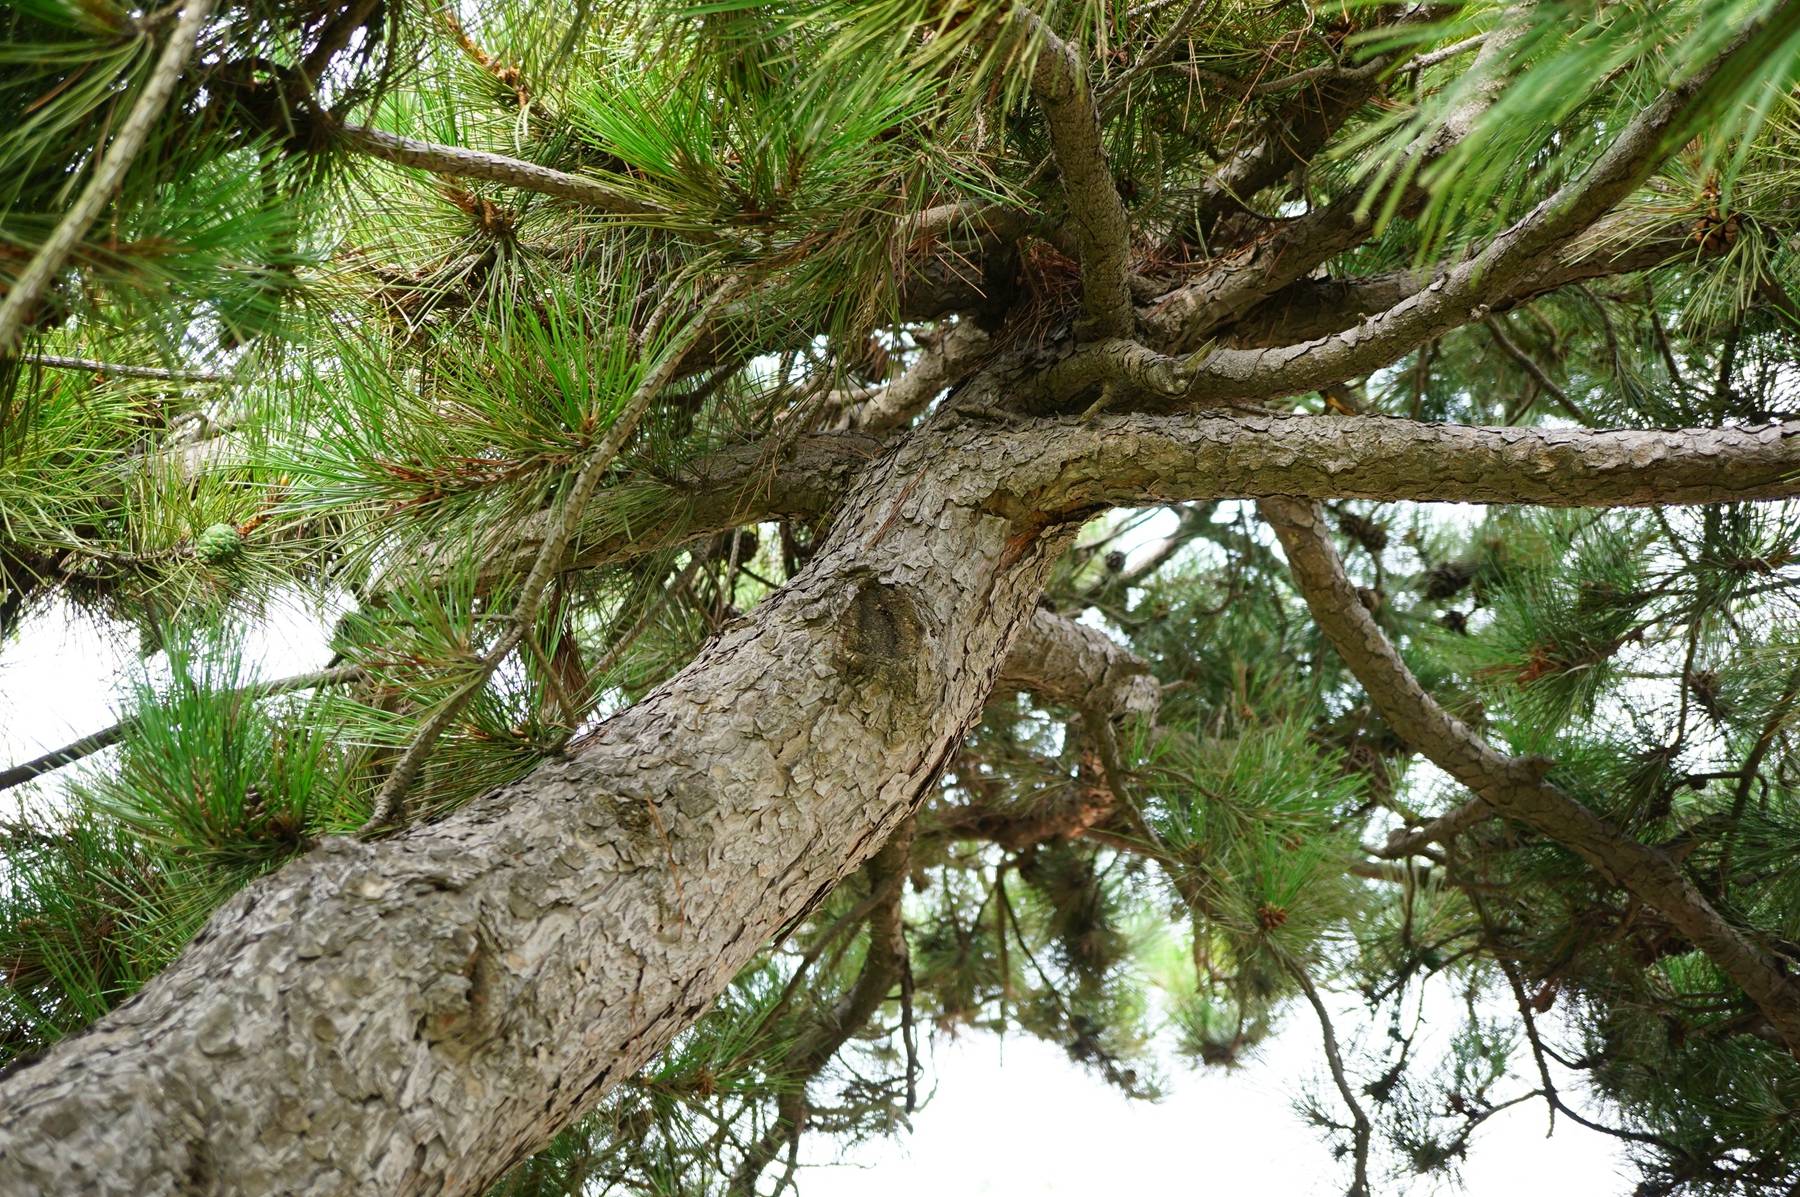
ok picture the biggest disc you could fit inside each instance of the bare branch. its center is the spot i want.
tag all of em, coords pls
(1077, 666)
(1445, 827)
(730, 488)
(1513, 786)
(1287, 139)
(1335, 1059)
(1534, 369)
(1155, 56)
(1235, 282)
(1137, 460)
(51, 361)
(1311, 308)
(956, 352)
(455, 162)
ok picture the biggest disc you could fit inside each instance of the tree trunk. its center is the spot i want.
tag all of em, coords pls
(419, 1014)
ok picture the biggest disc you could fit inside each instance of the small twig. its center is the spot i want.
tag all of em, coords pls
(51, 361)
(29, 287)
(1536, 371)
(1765, 739)
(1517, 985)
(1336, 1061)
(1443, 53)
(907, 1035)
(617, 650)
(1161, 52)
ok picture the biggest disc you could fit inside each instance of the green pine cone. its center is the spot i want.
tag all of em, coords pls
(219, 545)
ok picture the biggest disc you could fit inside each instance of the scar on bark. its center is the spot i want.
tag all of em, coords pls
(880, 632)
(1031, 526)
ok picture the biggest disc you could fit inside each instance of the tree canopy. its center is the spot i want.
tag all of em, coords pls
(840, 521)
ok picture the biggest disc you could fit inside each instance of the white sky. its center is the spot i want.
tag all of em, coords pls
(1016, 1117)
(1007, 1117)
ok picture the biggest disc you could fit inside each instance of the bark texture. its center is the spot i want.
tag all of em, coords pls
(1143, 459)
(416, 1015)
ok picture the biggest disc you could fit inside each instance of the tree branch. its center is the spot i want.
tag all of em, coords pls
(455, 162)
(1512, 786)
(955, 353)
(1467, 291)
(51, 361)
(1059, 82)
(1313, 308)
(1138, 460)
(1234, 283)
(1334, 1058)
(1076, 666)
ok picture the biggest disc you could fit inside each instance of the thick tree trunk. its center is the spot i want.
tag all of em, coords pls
(419, 1014)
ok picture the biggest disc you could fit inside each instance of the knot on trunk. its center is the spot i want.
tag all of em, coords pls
(880, 633)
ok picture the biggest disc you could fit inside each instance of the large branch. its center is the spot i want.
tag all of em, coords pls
(1138, 460)
(417, 1015)
(1313, 308)
(1059, 82)
(1512, 786)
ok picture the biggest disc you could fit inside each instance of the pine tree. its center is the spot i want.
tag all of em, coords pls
(841, 521)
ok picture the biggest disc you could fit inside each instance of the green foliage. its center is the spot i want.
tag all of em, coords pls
(210, 790)
(382, 381)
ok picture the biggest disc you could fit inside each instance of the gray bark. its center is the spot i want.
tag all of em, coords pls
(418, 1014)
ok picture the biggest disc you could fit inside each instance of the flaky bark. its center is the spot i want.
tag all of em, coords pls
(1097, 218)
(417, 1015)
(1065, 662)
(1136, 460)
